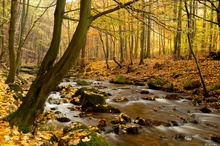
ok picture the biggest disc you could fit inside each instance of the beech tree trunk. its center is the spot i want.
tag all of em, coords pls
(46, 81)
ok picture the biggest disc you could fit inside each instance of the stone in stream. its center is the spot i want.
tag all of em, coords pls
(183, 137)
(93, 100)
(205, 110)
(120, 99)
(63, 119)
(216, 138)
(144, 92)
(150, 122)
(149, 97)
(172, 96)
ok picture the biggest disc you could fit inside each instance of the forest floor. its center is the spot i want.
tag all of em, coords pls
(177, 72)
(186, 69)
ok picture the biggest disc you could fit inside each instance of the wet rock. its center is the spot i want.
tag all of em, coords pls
(149, 97)
(168, 87)
(121, 119)
(191, 84)
(215, 138)
(120, 99)
(102, 124)
(156, 82)
(150, 122)
(183, 137)
(63, 119)
(91, 99)
(78, 134)
(84, 115)
(57, 112)
(213, 87)
(52, 100)
(205, 110)
(174, 123)
(53, 108)
(193, 119)
(133, 129)
(172, 96)
(124, 117)
(144, 92)
(103, 109)
(83, 82)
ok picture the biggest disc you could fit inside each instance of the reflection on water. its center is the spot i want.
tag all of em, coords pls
(195, 134)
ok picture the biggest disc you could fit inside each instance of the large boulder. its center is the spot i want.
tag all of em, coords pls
(155, 82)
(78, 134)
(191, 84)
(88, 99)
(93, 100)
(120, 79)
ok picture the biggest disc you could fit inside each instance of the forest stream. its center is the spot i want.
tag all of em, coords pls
(181, 133)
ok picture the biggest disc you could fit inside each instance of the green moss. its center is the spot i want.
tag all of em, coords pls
(120, 79)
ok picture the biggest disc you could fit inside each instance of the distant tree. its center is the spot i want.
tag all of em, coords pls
(11, 47)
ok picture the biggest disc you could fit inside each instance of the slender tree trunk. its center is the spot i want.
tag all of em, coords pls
(177, 45)
(2, 38)
(191, 49)
(204, 26)
(121, 40)
(143, 36)
(11, 76)
(149, 33)
(25, 9)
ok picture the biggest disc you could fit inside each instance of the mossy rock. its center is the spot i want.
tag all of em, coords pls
(120, 79)
(83, 82)
(79, 135)
(103, 109)
(83, 89)
(89, 98)
(191, 84)
(156, 82)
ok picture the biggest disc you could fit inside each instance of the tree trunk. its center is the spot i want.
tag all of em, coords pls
(2, 38)
(143, 37)
(149, 32)
(191, 49)
(45, 82)
(11, 76)
(25, 8)
(177, 43)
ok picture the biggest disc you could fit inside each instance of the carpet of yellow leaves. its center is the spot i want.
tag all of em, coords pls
(11, 136)
(186, 70)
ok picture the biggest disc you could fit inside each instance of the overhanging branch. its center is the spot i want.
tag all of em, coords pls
(114, 9)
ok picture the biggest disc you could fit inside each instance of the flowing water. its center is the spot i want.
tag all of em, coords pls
(186, 134)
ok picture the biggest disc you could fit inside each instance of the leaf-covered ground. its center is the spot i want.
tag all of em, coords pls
(168, 69)
(178, 72)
